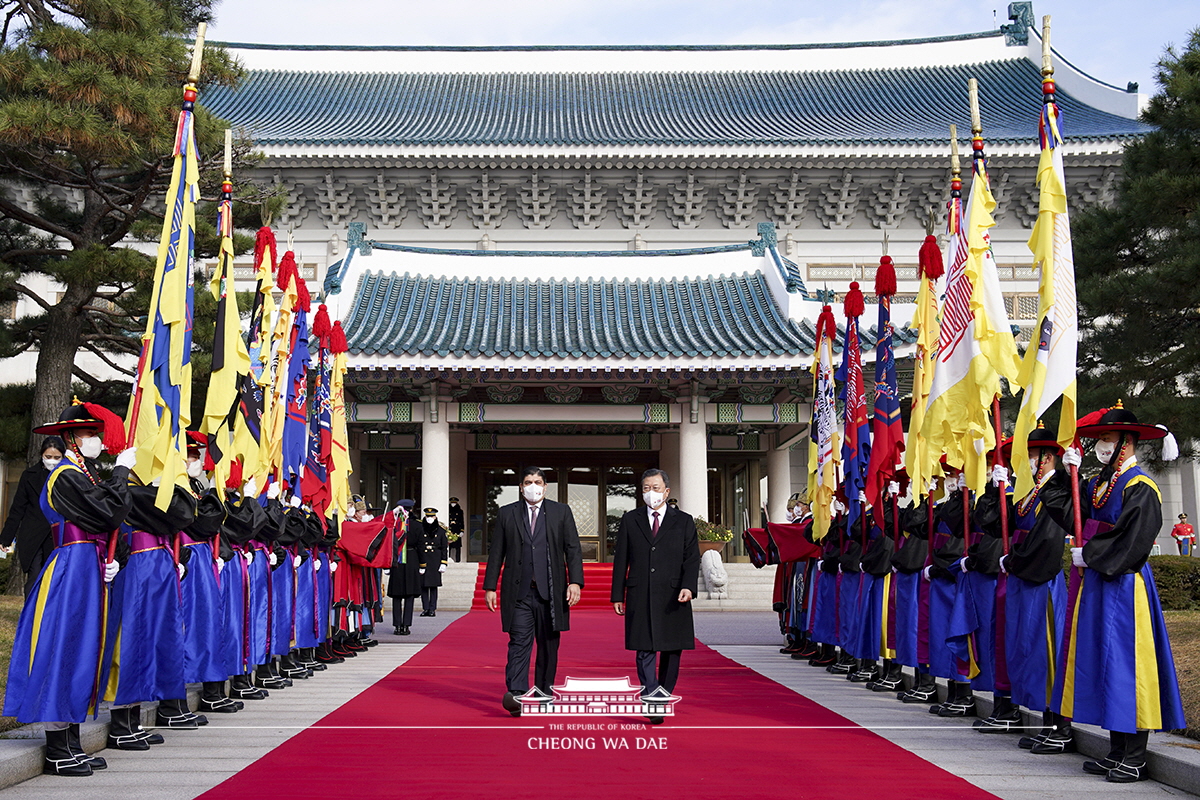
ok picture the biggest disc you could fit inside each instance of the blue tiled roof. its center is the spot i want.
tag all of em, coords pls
(696, 317)
(901, 106)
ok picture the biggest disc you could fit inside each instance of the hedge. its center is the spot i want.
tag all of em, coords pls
(1178, 581)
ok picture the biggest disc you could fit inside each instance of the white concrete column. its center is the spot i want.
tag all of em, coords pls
(693, 466)
(435, 462)
(356, 463)
(668, 459)
(779, 483)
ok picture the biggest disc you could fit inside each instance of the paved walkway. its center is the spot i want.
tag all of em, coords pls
(192, 762)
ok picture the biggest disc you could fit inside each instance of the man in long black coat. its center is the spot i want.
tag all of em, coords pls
(655, 572)
(536, 542)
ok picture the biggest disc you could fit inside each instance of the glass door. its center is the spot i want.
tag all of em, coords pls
(583, 496)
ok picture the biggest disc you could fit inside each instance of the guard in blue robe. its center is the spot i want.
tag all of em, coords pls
(825, 607)
(284, 593)
(1116, 669)
(56, 671)
(973, 619)
(266, 557)
(244, 518)
(909, 561)
(874, 599)
(942, 583)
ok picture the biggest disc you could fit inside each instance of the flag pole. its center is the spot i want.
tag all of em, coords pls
(1003, 484)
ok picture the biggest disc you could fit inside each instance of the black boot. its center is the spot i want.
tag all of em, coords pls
(1133, 766)
(1048, 722)
(59, 758)
(135, 722)
(891, 679)
(325, 654)
(844, 665)
(1116, 754)
(924, 690)
(174, 714)
(867, 672)
(1061, 739)
(241, 688)
(212, 698)
(290, 669)
(122, 735)
(266, 678)
(307, 657)
(1005, 717)
(340, 647)
(76, 747)
(963, 704)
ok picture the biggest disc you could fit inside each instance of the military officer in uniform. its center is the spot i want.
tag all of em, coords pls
(431, 560)
(458, 527)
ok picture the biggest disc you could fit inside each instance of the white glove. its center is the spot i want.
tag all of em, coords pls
(442, 568)
(306, 507)
(895, 571)
(999, 475)
(837, 506)
(925, 572)
(1072, 458)
(367, 518)
(220, 564)
(249, 556)
(333, 565)
(933, 484)
(962, 480)
(295, 501)
(1077, 557)
(421, 571)
(272, 559)
(250, 488)
(127, 458)
(894, 488)
(181, 569)
(316, 565)
(274, 490)
(1004, 564)
(962, 565)
(862, 497)
(839, 569)
(296, 560)
(111, 569)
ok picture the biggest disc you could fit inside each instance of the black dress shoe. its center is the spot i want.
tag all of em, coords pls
(396, 631)
(424, 613)
(511, 704)
(405, 630)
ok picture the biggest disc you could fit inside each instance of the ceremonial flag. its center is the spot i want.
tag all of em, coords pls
(856, 446)
(319, 455)
(275, 403)
(1048, 371)
(230, 361)
(160, 408)
(295, 424)
(887, 445)
(254, 387)
(920, 463)
(823, 438)
(339, 475)
(976, 346)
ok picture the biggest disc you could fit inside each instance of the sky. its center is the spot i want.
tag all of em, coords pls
(1117, 41)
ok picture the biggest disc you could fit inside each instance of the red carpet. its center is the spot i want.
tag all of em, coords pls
(597, 584)
(434, 728)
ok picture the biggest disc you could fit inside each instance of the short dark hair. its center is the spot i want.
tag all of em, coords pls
(533, 471)
(650, 473)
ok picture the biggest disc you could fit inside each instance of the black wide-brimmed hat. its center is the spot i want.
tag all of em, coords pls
(1118, 419)
(81, 416)
(1038, 437)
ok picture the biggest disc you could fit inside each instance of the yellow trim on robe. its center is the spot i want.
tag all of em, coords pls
(884, 650)
(114, 671)
(40, 609)
(1145, 664)
(1052, 656)
(1146, 479)
(1068, 695)
(54, 477)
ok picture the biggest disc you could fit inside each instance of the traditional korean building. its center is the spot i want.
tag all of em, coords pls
(603, 259)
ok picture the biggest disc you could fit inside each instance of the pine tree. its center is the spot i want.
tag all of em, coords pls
(1138, 266)
(89, 98)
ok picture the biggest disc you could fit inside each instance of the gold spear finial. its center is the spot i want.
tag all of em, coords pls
(955, 164)
(197, 52)
(973, 94)
(1047, 64)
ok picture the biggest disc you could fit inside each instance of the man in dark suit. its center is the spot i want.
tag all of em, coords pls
(655, 571)
(536, 542)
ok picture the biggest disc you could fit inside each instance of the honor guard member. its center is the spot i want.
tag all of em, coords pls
(458, 527)
(244, 518)
(432, 564)
(1184, 536)
(56, 664)
(404, 581)
(1114, 624)
(283, 591)
(908, 560)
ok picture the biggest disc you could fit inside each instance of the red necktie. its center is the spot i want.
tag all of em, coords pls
(654, 527)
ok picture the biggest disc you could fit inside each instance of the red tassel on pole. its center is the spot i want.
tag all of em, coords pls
(321, 327)
(337, 339)
(854, 304)
(264, 243)
(930, 259)
(287, 271)
(885, 278)
(303, 298)
(825, 324)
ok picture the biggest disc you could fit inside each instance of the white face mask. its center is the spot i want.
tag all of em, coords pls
(430, 518)
(90, 446)
(454, 505)
(533, 492)
(1104, 451)
(1033, 465)
(51, 463)
(653, 499)
(195, 469)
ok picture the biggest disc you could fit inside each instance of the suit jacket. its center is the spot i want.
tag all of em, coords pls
(648, 574)
(26, 524)
(564, 552)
